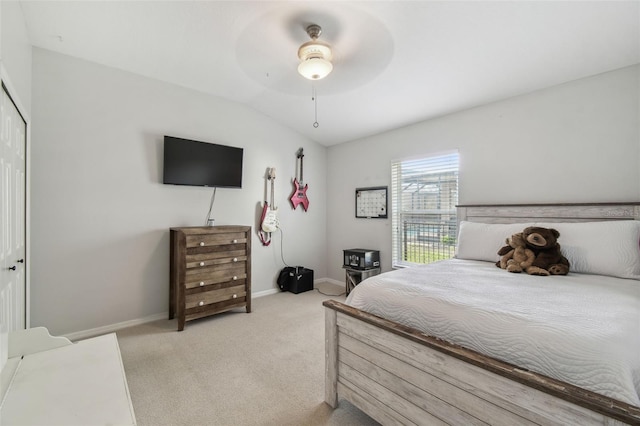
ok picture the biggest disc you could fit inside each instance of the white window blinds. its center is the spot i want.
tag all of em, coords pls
(424, 194)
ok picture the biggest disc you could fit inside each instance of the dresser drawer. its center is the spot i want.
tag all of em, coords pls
(214, 296)
(207, 240)
(207, 278)
(225, 269)
(215, 259)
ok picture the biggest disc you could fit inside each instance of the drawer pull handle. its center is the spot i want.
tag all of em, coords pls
(235, 278)
(235, 259)
(201, 303)
(235, 295)
(201, 283)
(201, 243)
(201, 263)
(235, 241)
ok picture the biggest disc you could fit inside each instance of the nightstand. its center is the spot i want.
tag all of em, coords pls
(353, 277)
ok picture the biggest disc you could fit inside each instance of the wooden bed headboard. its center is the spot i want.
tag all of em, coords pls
(579, 212)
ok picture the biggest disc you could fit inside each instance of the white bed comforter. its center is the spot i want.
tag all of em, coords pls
(581, 329)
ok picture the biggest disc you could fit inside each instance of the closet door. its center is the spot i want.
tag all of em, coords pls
(13, 134)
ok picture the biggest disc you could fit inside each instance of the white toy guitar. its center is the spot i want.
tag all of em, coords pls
(270, 221)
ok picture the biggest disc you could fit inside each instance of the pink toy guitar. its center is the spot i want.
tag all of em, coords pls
(299, 195)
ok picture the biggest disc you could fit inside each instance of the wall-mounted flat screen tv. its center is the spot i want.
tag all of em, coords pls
(195, 163)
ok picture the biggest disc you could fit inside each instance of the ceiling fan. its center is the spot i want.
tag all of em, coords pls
(349, 44)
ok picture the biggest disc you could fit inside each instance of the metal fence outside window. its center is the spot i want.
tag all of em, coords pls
(428, 238)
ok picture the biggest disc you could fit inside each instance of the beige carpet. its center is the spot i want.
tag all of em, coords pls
(262, 368)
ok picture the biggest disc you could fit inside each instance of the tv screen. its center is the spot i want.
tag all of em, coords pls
(189, 162)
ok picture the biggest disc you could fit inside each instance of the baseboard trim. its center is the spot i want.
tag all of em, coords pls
(332, 281)
(99, 331)
(112, 328)
(265, 293)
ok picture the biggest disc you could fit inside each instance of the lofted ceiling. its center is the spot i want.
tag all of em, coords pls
(395, 62)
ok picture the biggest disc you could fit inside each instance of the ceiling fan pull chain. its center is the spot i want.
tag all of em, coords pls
(314, 98)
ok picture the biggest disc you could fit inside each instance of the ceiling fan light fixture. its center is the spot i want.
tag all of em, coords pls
(315, 68)
(315, 56)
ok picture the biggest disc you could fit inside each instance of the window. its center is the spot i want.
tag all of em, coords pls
(424, 194)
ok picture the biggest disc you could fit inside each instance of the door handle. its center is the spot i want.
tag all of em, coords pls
(20, 260)
(12, 268)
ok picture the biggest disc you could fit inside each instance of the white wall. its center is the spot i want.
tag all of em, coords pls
(15, 54)
(100, 214)
(577, 142)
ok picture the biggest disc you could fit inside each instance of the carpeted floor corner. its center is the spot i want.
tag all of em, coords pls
(234, 368)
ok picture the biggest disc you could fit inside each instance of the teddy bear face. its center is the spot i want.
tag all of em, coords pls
(540, 238)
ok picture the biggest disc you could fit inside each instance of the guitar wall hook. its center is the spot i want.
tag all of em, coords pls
(299, 195)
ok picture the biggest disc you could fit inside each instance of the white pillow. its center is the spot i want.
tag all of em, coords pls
(603, 248)
(481, 241)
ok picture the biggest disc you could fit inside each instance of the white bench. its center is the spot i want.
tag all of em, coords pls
(50, 380)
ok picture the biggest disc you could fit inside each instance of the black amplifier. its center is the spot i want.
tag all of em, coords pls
(296, 279)
(358, 258)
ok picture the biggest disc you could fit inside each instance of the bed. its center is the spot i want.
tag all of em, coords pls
(539, 350)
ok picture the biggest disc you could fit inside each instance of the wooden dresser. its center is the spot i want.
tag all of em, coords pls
(210, 271)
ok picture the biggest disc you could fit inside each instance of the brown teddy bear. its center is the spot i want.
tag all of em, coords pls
(544, 244)
(516, 257)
